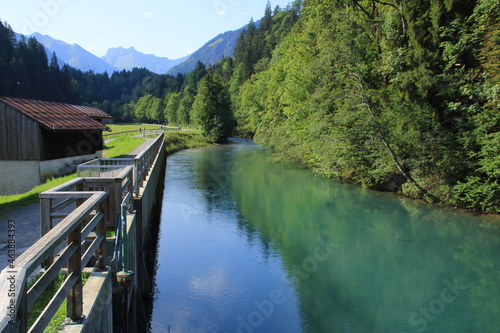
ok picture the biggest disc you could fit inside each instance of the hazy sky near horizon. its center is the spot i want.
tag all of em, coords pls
(165, 28)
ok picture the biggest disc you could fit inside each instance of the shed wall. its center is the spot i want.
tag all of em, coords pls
(19, 135)
(56, 145)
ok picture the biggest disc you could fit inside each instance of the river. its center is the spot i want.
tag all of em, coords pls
(247, 245)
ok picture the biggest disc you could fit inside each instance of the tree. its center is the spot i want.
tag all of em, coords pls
(185, 105)
(149, 108)
(155, 110)
(6, 56)
(212, 108)
(171, 107)
(140, 109)
(267, 21)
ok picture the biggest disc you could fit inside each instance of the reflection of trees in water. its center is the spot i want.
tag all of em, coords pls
(215, 171)
(392, 255)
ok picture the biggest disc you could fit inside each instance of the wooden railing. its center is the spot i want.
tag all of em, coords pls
(121, 133)
(97, 204)
(117, 187)
(73, 229)
(107, 167)
(144, 161)
(144, 131)
(104, 167)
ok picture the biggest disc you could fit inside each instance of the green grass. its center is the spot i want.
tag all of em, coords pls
(121, 146)
(8, 202)
(182, 140)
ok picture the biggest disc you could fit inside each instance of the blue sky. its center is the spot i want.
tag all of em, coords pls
(167, 28)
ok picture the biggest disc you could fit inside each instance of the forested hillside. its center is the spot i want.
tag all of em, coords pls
(395, 96)
(252, 54)
(26, 72)
(400, 96)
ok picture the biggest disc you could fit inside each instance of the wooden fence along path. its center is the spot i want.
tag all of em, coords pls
(97, 195)
(145, 132)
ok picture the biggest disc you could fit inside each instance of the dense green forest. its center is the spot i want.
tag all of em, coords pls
(395, 96)
(391, 95)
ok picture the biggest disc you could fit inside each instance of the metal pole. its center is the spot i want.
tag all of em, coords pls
(136, 177)
(124, 238)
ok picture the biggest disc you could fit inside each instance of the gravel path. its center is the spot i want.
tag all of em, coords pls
(27, 222)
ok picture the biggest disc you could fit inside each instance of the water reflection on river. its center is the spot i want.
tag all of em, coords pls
(251, 246)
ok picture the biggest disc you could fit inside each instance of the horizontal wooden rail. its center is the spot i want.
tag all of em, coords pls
(32, 258)
(51, 273)
(92, 249)
(119, 133)
(66, 186)
(144, 161)
(144, 131)
(51, 309)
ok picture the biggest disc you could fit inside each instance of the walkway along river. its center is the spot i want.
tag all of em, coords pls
(247, 245)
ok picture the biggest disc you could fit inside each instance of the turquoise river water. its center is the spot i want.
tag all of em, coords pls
(247, 245)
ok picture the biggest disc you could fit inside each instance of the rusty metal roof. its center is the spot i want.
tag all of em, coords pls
(55, 116)
(93, 112)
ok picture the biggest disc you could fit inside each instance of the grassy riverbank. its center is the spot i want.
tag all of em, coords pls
(184, 140)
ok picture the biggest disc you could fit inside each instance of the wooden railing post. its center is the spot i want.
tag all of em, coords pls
(80, 188)
(131, 188)
(46, 224)
(117, 197)
(75, 297)
(23, 311)
(101, 230)
(45, 219)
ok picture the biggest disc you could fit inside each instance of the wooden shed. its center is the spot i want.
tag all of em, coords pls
(96, 114)
(51, 137)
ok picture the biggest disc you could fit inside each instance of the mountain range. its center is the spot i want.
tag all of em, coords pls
(127, 59)
(119, 58)
(219, 47)
(74, 55)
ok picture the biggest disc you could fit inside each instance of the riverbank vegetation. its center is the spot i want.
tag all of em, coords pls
(390, 95)
(184, 140)
(394, 96)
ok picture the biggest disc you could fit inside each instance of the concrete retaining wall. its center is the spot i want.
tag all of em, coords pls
(21, 176)
(148, 198)
(59, 167)
(18, 176)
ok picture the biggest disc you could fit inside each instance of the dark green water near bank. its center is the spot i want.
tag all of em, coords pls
(247, 245)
